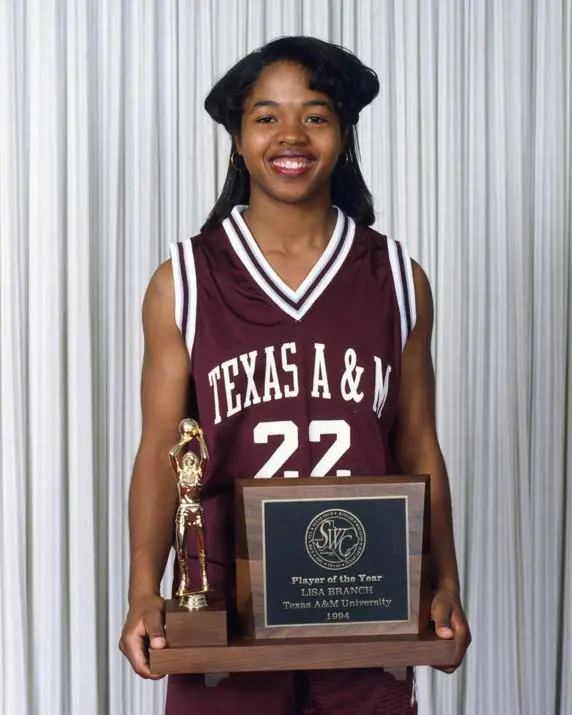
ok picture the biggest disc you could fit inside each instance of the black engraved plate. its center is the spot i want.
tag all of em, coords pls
(336, 561)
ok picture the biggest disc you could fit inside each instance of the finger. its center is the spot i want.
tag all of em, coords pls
(448, 669)
(155, 629)
(136, 652)
(462, 637)
(441, 614)
(461, 627)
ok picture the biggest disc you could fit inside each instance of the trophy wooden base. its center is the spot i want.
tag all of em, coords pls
(286, 623)
(197, 628)
(248, 655)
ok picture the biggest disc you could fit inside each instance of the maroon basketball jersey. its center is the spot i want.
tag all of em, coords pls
(291, 383)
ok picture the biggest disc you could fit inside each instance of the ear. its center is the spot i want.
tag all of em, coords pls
(345, 133)
(236, 144)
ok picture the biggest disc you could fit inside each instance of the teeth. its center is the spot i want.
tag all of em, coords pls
(291, 163)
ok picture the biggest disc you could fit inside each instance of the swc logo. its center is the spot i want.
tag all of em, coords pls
(335, 539)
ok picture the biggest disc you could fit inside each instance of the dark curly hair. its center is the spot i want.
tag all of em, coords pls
(331, 69)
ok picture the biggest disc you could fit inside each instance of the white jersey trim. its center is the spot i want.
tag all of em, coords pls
(402, 272)
(270, 282)
(255, 274)
(329, 275)
(185, 282)
(410, 285)
(270, 273)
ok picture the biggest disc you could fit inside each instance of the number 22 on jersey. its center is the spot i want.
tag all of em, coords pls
(289, 432)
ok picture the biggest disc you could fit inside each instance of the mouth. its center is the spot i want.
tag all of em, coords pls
(292, 165)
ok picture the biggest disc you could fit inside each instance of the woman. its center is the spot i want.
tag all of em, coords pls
(308, 337)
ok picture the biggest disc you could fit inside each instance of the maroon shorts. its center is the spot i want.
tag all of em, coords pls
(321, 692)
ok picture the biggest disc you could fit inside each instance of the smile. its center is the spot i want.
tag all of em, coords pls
(292, 166)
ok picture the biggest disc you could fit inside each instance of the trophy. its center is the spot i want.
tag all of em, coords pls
(192, 619)
(330, 573)
(189, 470)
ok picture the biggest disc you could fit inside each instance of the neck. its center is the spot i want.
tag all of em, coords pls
(290, 227)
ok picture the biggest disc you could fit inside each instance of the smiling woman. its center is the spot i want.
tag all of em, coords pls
(307, 86)
(289, 131)
(308, 337)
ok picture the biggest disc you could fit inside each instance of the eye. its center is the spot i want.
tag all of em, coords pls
(316, 119)
(266, 119)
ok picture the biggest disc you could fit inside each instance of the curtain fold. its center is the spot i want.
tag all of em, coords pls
(107, 155)
(14, 493)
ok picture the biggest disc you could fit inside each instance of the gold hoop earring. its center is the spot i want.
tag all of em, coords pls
(233, 161)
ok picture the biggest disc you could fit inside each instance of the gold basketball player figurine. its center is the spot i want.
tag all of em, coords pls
(189, 470)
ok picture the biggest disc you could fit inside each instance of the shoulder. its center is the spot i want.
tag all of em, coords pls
(377, 242)
(160, 294)
(169, 283)
(423, 294)
(208, 240)
(420, 279)
(423, 301)
(371, 245)
(370, 236)
(160, 286)
(411, 285)
(191, 261)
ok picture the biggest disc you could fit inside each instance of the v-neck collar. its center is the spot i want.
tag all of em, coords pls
(295, 303)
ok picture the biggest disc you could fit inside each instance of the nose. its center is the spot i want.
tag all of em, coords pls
(292, 132)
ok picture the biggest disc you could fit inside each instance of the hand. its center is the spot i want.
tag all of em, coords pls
(450, 622)
(143, 628)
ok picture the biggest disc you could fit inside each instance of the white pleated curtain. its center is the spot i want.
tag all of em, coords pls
(106, 155)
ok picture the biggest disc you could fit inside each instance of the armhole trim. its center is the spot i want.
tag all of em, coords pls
(185, 281)
(402, 272)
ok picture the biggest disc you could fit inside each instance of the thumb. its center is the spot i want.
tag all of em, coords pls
(155, 629)
(441, 614)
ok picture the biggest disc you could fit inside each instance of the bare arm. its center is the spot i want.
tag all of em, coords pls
(418, 452)
(153, 494)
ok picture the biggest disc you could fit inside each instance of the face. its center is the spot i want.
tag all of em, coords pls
(290, 137)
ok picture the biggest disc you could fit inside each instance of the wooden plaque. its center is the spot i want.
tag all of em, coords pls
(332, 557)
(282, 527)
